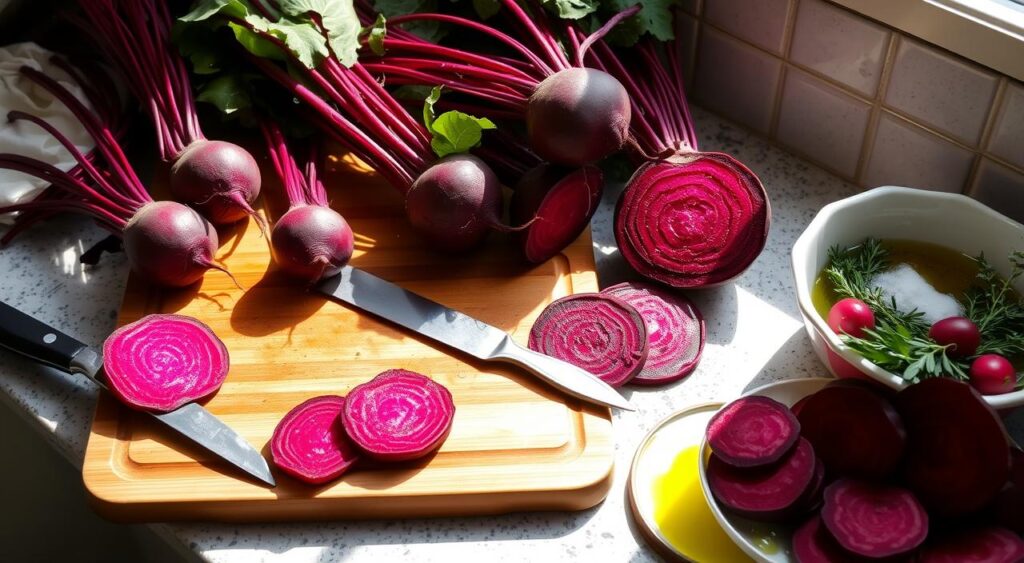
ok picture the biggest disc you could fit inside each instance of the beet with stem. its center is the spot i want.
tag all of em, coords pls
(675, 331)
(163, 361)
(310, 241)
(753, 431)
(310, 443)
(166, 243)
(399, 415)
(599, 333)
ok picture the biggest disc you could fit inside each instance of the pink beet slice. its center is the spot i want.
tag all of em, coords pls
(855, 432)
(675, 331)
(752, 431)
(958, 453)
(398, 415)
(986, 545)
(556, 203)
(599, 333)
(811, 499)
(161, 362)
(813, 543)
(764, 493)
(310, 443)
(874, 520)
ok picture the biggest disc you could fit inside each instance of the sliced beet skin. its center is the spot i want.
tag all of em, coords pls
(874, 520)
(160, 362)
(958, 453)
(599, 333)
(752, 431)
(764, 493)
(675, 331)
(854, 431)
(398, 415)
(310, 443)
(986, 545)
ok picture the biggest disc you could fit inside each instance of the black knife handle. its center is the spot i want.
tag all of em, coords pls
(31, 337)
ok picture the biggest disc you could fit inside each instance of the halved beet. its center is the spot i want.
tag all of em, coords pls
(854, 431)
(813, 543)
(752, 431)
(764, 493)
(874, 520)
(556, 203)
(310, 443)
(398, 415)
(692, 220)
(599, 333)
(675, 331)
(986, 545)
(958, 453)
(160, 362)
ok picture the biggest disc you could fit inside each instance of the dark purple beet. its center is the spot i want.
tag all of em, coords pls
(455, 203)
(220, 179)
(578, 116)
(764, 493)
(311, 242)
(556, 204)
(170, 244)
(874, 520)
(752, 431)
(985, 545)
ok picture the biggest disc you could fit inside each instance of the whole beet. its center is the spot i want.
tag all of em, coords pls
(455, 203)
(218, 178)
(311, 242)
(170, 244)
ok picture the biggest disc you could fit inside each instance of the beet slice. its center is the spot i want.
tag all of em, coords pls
(557, 204)
(763, 493)
(813, 543)
(958, 453)
(599, 333)
(811, 500)
(854, 431)
(692, 220)
(752, 431)
(675, 331)
(398, 415)
(310, 444)
(985, 545)
(160, 362)
(874, 520)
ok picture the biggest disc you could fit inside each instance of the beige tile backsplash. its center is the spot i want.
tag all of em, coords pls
(865, 101)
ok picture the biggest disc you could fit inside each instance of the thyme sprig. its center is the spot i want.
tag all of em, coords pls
(996, 309)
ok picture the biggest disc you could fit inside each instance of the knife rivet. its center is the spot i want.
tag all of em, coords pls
(50, 338)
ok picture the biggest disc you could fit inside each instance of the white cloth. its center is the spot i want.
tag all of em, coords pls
(26, 138)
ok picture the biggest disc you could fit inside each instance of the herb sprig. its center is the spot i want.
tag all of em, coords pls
(899, 342)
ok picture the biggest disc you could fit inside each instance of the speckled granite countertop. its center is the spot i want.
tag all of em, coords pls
(41, 275)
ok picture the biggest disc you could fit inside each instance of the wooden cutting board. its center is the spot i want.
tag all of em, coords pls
(516, 443)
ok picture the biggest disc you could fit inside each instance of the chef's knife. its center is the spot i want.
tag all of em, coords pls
(462, 332)
(31, 337)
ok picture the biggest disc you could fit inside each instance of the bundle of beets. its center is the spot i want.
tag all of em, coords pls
(686, 218)
(926, 474)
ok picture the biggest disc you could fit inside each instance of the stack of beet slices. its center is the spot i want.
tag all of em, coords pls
(629, 333)
(868, 474)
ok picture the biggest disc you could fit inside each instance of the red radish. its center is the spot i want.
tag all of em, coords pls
(692, 221)
(813, 543)
(455, 203)
(986, 545)
(992, 374)
(160, 362)
(577, 116)
(753, 431)
(675, 331)
(958, 453)
(766, 493)
(310, 443)
(166, 242)
(555, 205)
(220, 179)
(854, 431)
(960, 333)
(310, 241)
(398, 415)
(874, 520)
(851, 316)
(599, 333)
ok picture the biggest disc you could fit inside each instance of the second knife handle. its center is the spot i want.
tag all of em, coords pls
(28, 336)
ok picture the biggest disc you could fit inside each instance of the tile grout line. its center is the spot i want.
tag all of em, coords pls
(986, 134)
(787, 45)
(868, 144)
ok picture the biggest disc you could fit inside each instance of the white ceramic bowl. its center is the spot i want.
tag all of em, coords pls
(951, 220)
(765, 542)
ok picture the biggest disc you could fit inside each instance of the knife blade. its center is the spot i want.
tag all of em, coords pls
(462, 332)
(28, 336)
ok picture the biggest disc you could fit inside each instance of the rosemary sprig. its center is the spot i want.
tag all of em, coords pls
(994, 306)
